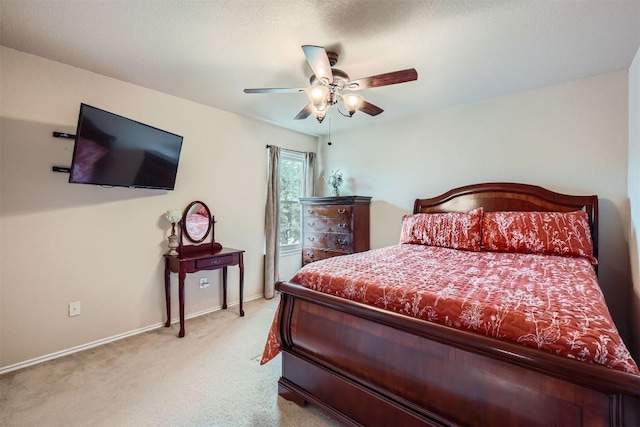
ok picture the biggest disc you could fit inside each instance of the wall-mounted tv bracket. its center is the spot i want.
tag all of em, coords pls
(64, 135)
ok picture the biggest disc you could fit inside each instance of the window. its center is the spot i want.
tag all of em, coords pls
(292, 185)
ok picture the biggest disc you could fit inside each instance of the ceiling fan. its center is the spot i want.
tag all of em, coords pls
(329, 85)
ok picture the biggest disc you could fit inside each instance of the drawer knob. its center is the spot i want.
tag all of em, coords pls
(311, 239)
(310, 254)
(342, 225)
(342, 211)
(342, 241)
(310, 211)
(311, 224)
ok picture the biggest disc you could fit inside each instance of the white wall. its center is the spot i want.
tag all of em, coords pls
(289, 265)
(64, 242)
(634, 192)
(570, 138)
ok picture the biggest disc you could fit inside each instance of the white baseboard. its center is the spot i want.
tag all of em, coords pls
(97, 343)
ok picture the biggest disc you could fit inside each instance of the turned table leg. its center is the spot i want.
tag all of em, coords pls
(183, 275)
(224, 287)
(241, 265)
(167, 292)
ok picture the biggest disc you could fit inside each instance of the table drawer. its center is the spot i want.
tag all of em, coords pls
(312, 254)
(220, 261)
(327, 224)
(335, 211)
(333, 241)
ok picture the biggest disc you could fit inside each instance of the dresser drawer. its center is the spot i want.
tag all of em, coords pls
(214, 262)
(332, 241)
(327, 224)
(334, 211)
(312, 254)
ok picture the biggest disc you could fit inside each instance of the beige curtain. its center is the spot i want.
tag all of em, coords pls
(310, 163)
(272, 223)
(272, 217)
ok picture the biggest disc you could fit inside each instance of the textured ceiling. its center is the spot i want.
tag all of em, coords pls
(209, 51)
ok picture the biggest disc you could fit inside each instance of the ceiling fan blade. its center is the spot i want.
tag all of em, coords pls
(386, 79)
(304, 113)
(274, 90)
(319, 62)
(370, 109)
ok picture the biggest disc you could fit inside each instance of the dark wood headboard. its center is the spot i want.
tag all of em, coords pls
(509, 196)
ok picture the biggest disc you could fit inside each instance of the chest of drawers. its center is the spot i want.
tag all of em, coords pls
(333, 226)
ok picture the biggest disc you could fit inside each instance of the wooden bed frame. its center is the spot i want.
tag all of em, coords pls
(367, 366)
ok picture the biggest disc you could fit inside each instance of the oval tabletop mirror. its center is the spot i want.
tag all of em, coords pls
(197, 221)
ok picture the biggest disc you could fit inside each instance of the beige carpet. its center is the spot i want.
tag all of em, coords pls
(211, 377)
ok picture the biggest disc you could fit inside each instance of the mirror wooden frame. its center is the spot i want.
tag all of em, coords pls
(186, 228)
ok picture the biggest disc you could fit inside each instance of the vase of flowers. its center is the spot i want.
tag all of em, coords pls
(173, 216)
(334, 179)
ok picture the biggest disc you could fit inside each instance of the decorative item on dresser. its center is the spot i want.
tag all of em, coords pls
(173, 216)
(196, 224)
(335, 180)
(334, 226)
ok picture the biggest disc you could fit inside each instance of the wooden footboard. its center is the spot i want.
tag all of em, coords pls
(367, 366)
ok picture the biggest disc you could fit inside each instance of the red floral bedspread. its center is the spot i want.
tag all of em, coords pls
(544, 301)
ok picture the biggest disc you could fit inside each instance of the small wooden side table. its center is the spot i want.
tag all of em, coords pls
(197, 260)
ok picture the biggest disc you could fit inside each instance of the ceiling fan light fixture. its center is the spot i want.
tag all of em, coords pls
(352, 101)
(317, 94)
(320, 113)
(327, 83)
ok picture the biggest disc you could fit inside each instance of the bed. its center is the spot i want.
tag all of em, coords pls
(370, 365)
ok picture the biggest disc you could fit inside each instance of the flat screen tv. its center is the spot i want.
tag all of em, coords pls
(114, 151)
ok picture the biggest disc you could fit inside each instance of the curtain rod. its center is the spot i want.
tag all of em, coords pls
(286, 149)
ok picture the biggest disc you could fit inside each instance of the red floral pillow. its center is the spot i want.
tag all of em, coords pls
(551, 233)
(456, 230)
(202, 211)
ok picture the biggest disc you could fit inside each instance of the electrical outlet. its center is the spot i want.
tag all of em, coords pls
(74, 308)
(204, 283)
